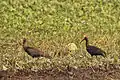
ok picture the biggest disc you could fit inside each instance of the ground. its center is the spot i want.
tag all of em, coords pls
(111, 72)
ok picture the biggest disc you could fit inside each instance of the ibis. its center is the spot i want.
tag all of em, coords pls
(93, 50)
(33, 52)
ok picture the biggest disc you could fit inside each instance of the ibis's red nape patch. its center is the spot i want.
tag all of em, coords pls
(85, 36)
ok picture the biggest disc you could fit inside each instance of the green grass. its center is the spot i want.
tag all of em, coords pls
(51, 24)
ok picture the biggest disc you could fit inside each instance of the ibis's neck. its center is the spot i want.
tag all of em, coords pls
(87, 44)
(24, 45)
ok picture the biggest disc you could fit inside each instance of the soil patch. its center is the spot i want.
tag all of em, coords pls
(111, 72)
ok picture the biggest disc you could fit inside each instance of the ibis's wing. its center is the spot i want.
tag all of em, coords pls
(95, 50)
(34, 52)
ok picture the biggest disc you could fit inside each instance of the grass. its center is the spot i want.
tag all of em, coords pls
(52, 24)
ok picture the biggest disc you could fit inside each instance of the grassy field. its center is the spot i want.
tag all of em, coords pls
(50, 25)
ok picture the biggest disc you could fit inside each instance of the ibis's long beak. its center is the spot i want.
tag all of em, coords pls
(82, 40)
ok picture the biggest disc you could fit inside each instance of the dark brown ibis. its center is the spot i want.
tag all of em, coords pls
(33, 51)
(93, 50)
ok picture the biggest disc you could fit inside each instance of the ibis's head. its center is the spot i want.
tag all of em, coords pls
(24, 40)
(85, 38)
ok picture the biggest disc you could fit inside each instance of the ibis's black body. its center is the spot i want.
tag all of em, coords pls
(93, 50)
(33, 52)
